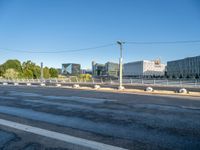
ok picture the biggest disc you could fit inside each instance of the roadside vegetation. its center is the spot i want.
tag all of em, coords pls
(81, 78)
(14, 69)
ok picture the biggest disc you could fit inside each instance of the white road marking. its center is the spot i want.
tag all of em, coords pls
(59, 136)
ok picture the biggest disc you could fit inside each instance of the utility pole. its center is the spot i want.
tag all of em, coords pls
(41, 77)
(120, 65)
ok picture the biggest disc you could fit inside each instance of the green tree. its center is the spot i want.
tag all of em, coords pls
(27, 74)
(28, 67)
(36, 72)
(53, 72)
(46, 73)
(1, 70)
(11, 74)
(11, 64)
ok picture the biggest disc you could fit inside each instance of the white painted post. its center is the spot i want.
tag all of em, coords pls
(195, 84)
(93, 80)
(110, 81)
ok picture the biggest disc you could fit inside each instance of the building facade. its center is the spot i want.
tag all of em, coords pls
(107, 69)
(86, 71)
(71, 69)
(98, 69)
(112, 69)
(144, 68)
(184, 68)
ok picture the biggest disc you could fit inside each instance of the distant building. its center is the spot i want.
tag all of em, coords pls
(112, 69)
(144, 68)
(71, 69)
(98, 69)
(86, 71)
(59, 70)
(107, 69)
(184, 68)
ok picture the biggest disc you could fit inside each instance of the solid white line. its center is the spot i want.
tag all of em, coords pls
(59, 136)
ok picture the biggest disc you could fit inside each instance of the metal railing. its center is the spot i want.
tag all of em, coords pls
(131, 81)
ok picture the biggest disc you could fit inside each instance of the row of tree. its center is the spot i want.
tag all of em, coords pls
(13, 69)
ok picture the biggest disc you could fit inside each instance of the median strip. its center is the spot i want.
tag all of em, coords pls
(59, 136)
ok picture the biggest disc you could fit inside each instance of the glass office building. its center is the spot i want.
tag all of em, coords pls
(184, 68)
(107, 69)
(71, 69)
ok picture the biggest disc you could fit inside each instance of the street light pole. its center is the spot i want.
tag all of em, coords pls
(120, 65)
(41, 70)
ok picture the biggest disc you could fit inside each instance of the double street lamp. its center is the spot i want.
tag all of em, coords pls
(120, 65)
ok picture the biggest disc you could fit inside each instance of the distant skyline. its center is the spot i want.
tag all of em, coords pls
(51, 25)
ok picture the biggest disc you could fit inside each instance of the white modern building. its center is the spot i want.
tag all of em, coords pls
(144, 68)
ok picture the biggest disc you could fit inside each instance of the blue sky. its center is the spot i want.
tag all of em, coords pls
(56, 25)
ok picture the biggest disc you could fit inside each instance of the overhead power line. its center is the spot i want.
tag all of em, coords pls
(60, 51)
(169, 42)
(99, 47)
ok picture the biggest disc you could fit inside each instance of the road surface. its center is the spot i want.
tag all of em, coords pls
(33, 118)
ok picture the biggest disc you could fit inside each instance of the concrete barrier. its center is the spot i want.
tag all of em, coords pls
(15, 84)
(58, 85)
(28, 84)
(97, 87)
(121, 87)
(183, 90)
(5, 83)
(76, 86)
(42, 84)
(149, 89)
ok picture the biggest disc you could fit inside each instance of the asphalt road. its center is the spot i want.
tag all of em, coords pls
(128, 121)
